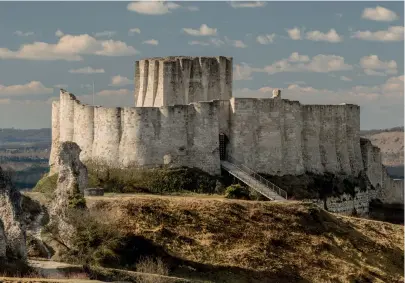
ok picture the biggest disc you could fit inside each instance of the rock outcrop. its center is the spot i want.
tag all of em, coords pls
(12, 229)
(72, 181)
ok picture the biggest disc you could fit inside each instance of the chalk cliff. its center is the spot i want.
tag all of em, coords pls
(12, 230)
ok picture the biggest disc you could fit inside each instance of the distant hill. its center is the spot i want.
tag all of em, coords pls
(25, 137)
(391, 143)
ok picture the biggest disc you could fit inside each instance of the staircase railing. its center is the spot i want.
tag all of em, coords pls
(258, 177)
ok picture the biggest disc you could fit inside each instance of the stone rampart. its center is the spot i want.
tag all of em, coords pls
(182, 80)
(180, 135)
(279, 137)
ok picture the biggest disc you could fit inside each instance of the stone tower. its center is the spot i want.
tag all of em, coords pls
(182, 80)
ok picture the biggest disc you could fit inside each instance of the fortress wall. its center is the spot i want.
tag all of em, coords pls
(327, 139)
(83, 133)
(182, 80)
(243, 125)
(310, 138)
(55, 138)
(66, 116)
(342, 139)
(138, 135)
(292, 149)
(171, 144)
(203, 137)
(224, 109)
(152, 83)
(256, 134)
(353, 138)
(107, 135)
(371, 158)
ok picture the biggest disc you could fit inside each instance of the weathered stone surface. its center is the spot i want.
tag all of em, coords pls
(12, 230)
(72, 180)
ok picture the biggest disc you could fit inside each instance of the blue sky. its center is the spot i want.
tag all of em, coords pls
(316, 52)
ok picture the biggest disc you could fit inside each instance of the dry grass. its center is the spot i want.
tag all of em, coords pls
(262, 241)
(152, 266)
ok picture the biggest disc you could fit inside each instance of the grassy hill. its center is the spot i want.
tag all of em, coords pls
(222, 240)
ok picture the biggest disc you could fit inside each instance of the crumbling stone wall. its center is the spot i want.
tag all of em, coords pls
(388, 189)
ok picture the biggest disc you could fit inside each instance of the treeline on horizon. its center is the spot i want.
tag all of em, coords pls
(44, 134)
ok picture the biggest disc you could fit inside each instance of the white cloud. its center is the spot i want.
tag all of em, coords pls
(250, 4)
(151, 42)
(120, 81)
(373, 66)
(243, 72)
(196, 42)
(63, 86)
(235, 43)
(393, 33)
(344, 78)
(59, 33)
(33, 87)
(371, 96)
(132, 31)
(106, 33)
(204, 30)
(330, 36)
(295, 57)
(69, 48)
(379, 14)
(294, 33)
(21, 33)
(266, 38)
(296, 63)
(317, 64)
(112, 92)
(152, 7)
(86, 70)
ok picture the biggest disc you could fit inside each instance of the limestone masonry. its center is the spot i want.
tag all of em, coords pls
(183, 104)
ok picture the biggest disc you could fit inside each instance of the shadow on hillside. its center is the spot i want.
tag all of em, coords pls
(319, 222)
(136, 248)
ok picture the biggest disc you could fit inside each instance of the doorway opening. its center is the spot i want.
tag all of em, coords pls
(223, 140)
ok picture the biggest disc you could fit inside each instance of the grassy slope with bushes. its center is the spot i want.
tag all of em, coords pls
(157, 181)
(247, 241)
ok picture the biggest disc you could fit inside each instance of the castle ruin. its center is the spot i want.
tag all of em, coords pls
(185, 115)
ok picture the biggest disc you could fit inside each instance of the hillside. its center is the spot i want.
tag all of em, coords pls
(221, 240)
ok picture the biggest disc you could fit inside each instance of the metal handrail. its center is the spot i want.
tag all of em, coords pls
(257, 176)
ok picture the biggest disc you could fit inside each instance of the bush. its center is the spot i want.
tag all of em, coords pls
(148, 265)
(237, 192)
(94, 242)
(156, 180)
(47, 185)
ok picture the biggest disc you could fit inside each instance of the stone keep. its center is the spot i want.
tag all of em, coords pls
(184, 103)
(182, 80)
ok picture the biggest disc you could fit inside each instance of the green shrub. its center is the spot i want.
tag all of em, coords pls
(47, 185)
(237, 192)
(156, 180)
(94, 242)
